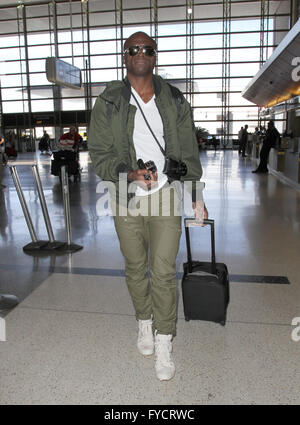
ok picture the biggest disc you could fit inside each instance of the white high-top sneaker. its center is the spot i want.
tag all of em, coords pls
(164, 366)
(145, 343)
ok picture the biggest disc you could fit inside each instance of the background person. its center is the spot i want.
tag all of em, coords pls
(3, 161)
(44, 144)
(270, 140)
(244, 141)
(70, 140)
(240, 133)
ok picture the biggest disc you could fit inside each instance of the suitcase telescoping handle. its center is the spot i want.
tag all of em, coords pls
(211, 223)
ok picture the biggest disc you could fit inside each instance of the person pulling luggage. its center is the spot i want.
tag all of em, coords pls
(134, 125)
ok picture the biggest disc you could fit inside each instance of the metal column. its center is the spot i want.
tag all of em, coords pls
(226, 116)
(154, 25)
(190, 51)
(85, 27)
(53, 244)
(264, 40)
(69, 247)
(36, 244)
(56, 88)
(119, 39)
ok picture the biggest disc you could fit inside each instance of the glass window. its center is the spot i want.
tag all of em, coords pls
(172, 71)
(106, 58)
(244, 54)
(171, 58)
(101, 47)
(42, 105)
(127, 31)
(238, 84)
(244, 113)
(12, 54)
(39, 52)
(37, 65)
(134, 16)
(73, 104)
(237, 99)
(104, 75)
(14, 107)
(40, 38)
(102, 18)
(251, 39)
(14, 94)
(64, 50)
(209, 85)
(107, 61)
(8, 68)
(245, 25)
(141, 3)
(244, 69)
(206, 41)
(38, 79)
(208, 56)
(36, 10)
(102, 34)
(206, 99)
(208, 27)
(171, 43)
(13, 81)
(207, 114)
(41, 92)
(207, 11)
(171, 13)
(171, 29)
(204, 71)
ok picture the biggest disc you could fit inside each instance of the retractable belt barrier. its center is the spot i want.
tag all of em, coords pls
(51, 245)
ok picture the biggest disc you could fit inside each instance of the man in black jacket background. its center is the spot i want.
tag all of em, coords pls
(270, 140)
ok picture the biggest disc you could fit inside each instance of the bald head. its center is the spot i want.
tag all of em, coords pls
(137, 36)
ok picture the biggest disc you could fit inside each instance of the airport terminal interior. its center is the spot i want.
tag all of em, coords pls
(67, 324)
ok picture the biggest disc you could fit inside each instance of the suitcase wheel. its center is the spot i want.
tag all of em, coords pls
(223, 323)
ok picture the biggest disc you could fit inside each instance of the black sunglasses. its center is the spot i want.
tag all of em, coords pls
(146, 50)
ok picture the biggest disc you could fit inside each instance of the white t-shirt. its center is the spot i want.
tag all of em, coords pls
(144, 143)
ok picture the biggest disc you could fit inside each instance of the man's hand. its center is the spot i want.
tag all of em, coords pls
(138, 177)
(200, 212)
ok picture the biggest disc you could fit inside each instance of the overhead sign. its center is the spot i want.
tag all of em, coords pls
(63, 73)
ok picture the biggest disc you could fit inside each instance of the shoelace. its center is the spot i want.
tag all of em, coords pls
(144, 330)
(163, 352)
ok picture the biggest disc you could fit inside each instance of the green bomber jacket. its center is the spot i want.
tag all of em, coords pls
(110, 138)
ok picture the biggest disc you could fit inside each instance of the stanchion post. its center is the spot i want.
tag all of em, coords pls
(69, 247)
(35, 244)
(53, 244)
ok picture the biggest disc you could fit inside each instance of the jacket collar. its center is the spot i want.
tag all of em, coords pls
(112, 93)
(126, 91)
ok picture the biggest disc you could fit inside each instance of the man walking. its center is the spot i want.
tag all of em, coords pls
(3, 161)
(271, 137)
(144, 122)
(240, 133)
(244, 141)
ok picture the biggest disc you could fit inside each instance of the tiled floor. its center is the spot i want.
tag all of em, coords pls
(71, 340)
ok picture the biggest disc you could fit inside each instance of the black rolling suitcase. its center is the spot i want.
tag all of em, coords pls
(205, 285)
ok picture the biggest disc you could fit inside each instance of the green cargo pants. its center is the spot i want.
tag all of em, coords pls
(150, 237)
